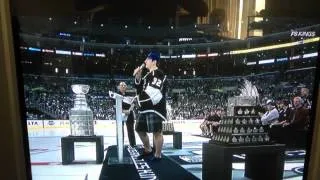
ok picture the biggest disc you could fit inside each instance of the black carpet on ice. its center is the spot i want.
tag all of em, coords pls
(164, 169)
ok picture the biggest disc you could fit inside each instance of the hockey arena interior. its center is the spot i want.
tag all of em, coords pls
(221, 65)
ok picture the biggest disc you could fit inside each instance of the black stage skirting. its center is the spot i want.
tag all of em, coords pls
(163, 170)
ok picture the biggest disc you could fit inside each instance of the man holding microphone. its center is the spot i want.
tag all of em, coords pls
(151, 89)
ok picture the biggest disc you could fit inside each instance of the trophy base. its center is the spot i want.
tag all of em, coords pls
(115, 160)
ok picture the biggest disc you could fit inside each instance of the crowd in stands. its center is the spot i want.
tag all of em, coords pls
(189, 98)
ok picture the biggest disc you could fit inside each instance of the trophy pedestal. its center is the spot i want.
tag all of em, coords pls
(67, 147)
(262, 162)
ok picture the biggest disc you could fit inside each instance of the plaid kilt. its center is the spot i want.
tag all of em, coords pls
(148, 122)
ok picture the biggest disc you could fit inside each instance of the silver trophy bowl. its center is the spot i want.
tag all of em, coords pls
(80, 88)
(81, 116)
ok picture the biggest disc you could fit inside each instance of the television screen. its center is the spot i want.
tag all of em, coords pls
(168, 90)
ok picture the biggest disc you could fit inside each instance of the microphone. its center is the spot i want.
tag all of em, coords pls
(142, 65)
(140, 68)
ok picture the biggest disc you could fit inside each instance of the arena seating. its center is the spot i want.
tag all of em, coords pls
(190, 98)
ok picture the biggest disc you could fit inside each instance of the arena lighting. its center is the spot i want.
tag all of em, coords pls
(201, 55)
(212, 54)
(64, 34)
(184, 39)
(161, 56)
(174, 57)
(34, 49)
(311, 40)
(100, 55)
(277, 46)
(26, 62)
(88, 54)
(266, 61)
(251, 63)
(77, 53)
(295, 57)
(188, 55)
(48, 50)
(63, 52)
(282, 59)
(310, 55)
(300, 69)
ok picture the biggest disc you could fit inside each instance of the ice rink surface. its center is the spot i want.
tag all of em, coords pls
(46, 161)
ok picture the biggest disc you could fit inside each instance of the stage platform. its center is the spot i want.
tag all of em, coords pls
(46, 160)
(142, 169)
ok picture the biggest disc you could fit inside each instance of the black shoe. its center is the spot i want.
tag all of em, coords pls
(144, 155)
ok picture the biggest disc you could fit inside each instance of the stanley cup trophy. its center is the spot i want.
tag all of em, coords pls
(81, 126)
(81, 116)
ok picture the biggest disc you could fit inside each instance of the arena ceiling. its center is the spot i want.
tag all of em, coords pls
(83, 16)
(117, 8)
(91, 15)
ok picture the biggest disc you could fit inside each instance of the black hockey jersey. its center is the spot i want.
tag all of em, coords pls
(151, 90)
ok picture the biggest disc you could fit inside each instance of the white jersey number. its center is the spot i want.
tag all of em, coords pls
(156, 82)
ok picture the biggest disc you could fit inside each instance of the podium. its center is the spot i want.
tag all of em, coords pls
(119, 126)
(263, 162)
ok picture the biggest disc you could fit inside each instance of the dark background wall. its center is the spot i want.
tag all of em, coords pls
(294, 8)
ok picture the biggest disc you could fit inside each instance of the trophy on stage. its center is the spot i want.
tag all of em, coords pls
(81, 116)
(167, 126)
(245, 127)
(81, 126)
